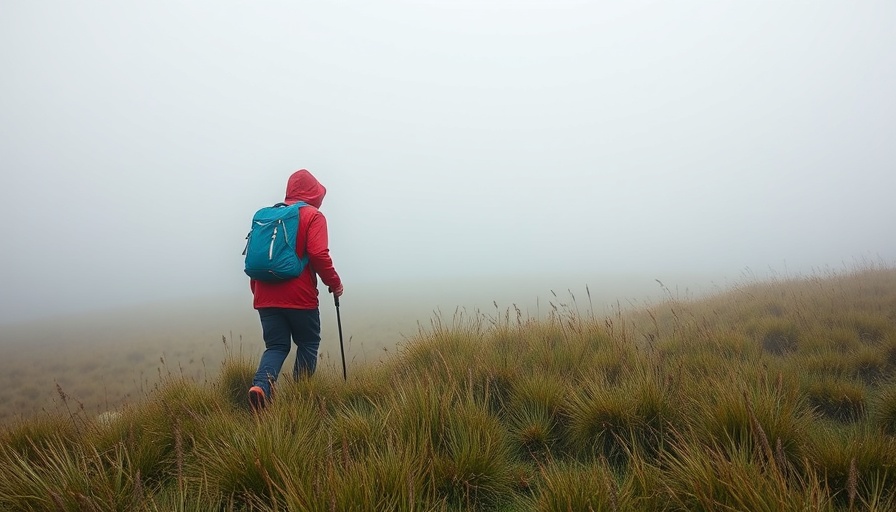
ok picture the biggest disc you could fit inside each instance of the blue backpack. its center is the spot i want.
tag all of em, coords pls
(271, 244)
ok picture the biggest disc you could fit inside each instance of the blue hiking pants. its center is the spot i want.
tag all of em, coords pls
(278, 326)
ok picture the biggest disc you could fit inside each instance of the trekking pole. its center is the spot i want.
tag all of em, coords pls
(341, 350)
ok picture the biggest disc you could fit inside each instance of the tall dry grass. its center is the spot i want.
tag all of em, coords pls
(772, 396)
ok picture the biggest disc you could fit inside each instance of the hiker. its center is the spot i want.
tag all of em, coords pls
(289, 308)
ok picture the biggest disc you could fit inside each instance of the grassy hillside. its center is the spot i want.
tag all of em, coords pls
(773, 396)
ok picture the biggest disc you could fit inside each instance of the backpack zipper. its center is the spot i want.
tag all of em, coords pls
(271, 249)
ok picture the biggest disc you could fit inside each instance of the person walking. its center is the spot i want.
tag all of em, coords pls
(288, 309)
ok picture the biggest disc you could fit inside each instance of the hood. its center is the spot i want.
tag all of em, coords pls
(303, 186)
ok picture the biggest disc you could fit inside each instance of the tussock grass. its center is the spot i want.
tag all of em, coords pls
(577, 486)
(30, 438)
(837, 398)
(884, 415)
(247, 458)
(856, 464)
(533, 430)
(235, 376)
(771, 396)
(66, 478)
(731, 477)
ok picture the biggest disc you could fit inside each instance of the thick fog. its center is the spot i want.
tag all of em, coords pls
(459, 141)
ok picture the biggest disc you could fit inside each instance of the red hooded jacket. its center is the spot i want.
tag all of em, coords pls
(301, 292)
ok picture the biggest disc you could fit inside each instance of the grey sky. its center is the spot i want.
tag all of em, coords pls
(457, 139)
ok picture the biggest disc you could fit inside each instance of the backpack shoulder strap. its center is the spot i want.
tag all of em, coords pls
(301, 237)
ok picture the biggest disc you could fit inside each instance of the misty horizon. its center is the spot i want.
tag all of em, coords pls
(472, 141)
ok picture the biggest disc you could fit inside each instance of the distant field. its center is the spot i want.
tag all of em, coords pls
(105, 359)
(102, 363)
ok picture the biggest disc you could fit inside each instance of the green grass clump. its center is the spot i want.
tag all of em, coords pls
(838, 399)
(30, 438)
(601, 422)
(533, 430)
(760, 419)
(869, 327)
(777, 336)
(534, 414)
(234, 380)
(62, 478)
(772, 396)
(473, 470)
(884, 416)
(734, 477)
(247, 457)
(856, 464)
(577, 486)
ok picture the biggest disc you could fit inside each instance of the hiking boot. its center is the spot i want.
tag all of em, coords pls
(256, 399)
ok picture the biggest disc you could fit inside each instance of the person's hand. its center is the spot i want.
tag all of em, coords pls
(337, 292)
